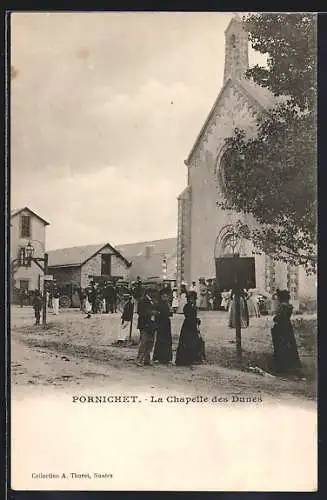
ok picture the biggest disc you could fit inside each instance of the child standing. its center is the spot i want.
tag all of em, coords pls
(126, 318)
(37, 306)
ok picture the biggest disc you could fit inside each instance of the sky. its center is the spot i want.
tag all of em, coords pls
(105, 108)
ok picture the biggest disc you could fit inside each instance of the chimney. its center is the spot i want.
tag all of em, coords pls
(149, 251)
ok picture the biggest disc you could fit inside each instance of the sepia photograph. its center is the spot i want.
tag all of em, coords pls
(163, 251)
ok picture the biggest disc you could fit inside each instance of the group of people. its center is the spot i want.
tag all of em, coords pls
(210, 298)
(154, 325)
(98, 298)
(52, 301)
(154, 322)
(207, 295)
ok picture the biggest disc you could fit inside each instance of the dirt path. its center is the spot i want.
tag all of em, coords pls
(44, 359)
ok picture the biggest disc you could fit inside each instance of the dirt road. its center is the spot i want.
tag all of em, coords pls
(73, 352)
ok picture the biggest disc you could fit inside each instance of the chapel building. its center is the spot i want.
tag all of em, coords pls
(205, 230)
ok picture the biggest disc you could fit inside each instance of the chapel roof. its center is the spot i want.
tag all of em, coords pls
(234, 74)
(264, 98)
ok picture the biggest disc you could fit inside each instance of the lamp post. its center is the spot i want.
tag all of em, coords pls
(29, 254)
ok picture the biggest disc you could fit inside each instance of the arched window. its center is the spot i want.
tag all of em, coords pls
(233, 41)
(231, 245)
(227, 243)
(222, 168)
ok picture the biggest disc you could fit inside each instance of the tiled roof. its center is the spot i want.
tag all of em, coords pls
(75, 256)
(149, 266)
(142, 264)
(166, 246)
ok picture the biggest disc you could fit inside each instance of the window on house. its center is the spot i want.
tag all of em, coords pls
(23, 284)
(106, 264)
(25, 226)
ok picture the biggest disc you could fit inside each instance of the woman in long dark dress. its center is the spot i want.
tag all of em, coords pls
(243, 310)
(189, 350)
(285, 349)
(163, 346)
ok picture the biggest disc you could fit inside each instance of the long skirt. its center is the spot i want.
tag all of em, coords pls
(203, 302)
(286, 355)
(88, 306)
(123, 331)
(253, 308)
(190, 348)
(163, 345)
(244, 314)
(224, 303)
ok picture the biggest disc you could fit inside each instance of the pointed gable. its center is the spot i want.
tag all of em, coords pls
(257, 99)
(17, 211)
(77, 256)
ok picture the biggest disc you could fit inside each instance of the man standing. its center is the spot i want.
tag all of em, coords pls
(93, 297)
(137, 291)
(114, 297)
(110, 297)
(55, 300)
(37, 306)
(146, 324)
(106, 297)
(22, 296)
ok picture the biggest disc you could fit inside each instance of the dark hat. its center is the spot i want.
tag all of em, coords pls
(283, 295)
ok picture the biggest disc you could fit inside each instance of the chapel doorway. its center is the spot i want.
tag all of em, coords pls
(228, 268)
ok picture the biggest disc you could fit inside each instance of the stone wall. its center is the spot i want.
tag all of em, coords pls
(183, 237)
(233, 110)
(206, 220)
(65, 275)
(93, 267)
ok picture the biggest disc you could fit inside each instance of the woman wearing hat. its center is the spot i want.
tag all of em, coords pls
(286, 355)
(189, 350)
(163, 346)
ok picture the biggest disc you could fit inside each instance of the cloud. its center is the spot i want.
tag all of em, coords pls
(105, 107)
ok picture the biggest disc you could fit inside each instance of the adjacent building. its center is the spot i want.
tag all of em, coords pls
(26, 226)
(152, 259)
(149, 259)
(204, 230)
(78, 265)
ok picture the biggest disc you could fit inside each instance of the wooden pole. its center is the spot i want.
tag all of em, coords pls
(44, 308)
(237, 299)
(131, 324)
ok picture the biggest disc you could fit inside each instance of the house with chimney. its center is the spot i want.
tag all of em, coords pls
(76, 266)
(152, 259)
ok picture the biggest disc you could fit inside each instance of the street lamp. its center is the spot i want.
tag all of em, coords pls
(29, 252)
(29, 256)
